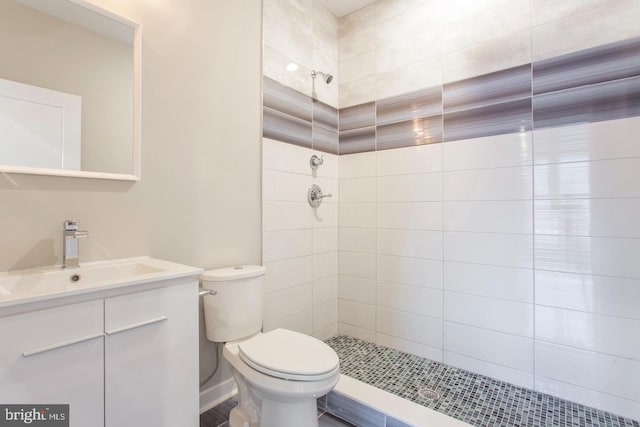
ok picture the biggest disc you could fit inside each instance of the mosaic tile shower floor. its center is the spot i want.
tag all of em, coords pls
(478, 400)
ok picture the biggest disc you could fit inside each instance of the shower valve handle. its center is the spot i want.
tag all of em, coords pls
(315, 196)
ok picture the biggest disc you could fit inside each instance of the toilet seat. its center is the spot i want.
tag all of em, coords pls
(289, 355)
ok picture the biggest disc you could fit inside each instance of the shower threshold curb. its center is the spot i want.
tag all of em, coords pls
(385, 404)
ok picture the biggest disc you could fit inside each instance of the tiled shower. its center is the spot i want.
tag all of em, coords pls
(484, 163)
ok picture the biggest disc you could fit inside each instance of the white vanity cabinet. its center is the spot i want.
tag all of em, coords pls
(55, 356)
(120, 360)
(151, 358)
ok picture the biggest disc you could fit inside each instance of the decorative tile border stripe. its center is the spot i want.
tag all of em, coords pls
(409, 106)
(604, 101)
(292, 117)
(488, 120)
(597, 84)
(494, 88)
(478, 400)
(600, 64)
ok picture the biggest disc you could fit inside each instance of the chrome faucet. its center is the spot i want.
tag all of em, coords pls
(71, 234)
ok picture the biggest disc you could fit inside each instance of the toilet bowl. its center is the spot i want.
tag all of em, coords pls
(279, 373)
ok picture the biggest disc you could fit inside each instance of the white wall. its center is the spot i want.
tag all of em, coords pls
(199, 200)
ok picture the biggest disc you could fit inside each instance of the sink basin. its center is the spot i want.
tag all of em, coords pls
(33, 285)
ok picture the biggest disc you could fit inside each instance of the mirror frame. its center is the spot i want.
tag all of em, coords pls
(136, 173)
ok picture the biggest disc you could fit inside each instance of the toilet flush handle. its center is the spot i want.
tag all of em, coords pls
(204, 292)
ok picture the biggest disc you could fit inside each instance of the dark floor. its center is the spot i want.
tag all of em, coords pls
(219, 416)
(478, 400)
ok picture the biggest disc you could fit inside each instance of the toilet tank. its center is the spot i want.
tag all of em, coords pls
(235, 311)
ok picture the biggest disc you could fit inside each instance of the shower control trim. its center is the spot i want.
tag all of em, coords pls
(315, 196)
(316, 161)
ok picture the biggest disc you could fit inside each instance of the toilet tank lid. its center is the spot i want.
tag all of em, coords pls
(233, 273)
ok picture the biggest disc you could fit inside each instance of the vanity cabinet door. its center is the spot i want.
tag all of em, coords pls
(55, 356)
(151, 358)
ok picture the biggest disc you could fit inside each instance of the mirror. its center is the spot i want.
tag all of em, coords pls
(69, 90)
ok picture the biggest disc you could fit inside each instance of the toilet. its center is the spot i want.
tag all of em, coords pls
(280, 373)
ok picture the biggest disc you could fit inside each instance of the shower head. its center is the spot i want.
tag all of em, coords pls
(326, 77)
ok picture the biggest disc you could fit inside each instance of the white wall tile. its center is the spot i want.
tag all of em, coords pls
(359, 66)
(330, 187)
(515, 284)
(325, 314)
(411, 327)
(358, 215)
(502, 373)
(285, 216)
(410, 215)
(280, 156)
(354, 190)
(357, 332)
(356, 42)
(400, 52)
(287, 273)
(284, 303)
(481, 58)
(588, 255)
(358, 264)
(496, 151)
(358, 239)
(279, 245)
(419, 159)
(299, 322)
(412, 299)
(275, 67)
(357, 92)
(431, 353)
(330, 165)
(284, 186)
(409, 78)
(327, 332)
(608, 374)
(325, 289)
(325, 240)
(608, 139)
(544, 11)
(387, 9)
(617, 405)
(358, 165)
(414, 20)
(588, 217)
(489, 184)
(604, 178)
(595, 332)
(613, 296)
(507, 250)
(326, 215)
(357, 289)
(489, 216)
(489, 313)
(325, 265)
(507, 350)
(410, 271)
(410, 188)
(357, 314)
(410, 243)
(611, 22)
(361, 18)
(506, 18)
